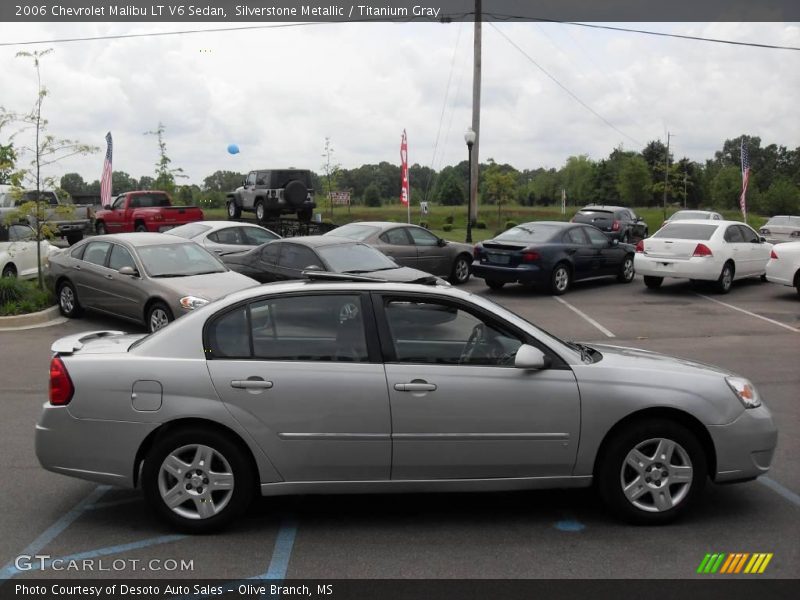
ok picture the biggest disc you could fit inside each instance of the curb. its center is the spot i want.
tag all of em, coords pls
(38, 319)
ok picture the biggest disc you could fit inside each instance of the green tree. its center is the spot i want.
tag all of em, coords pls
(726, 188)
(500, 187)
(781, 198)
(577, 178)
(546, 187)
(72, 183)
(145, 183)
(372, 195)
(121, 182)
(634, 183)
(222, 181)
(165, 174)
(448, 190)
(331, 170)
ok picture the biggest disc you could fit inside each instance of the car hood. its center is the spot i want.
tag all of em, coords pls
(210, 286)
(634, 358)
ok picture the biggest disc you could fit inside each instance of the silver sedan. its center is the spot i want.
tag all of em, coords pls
(225, 237)
(346, 387)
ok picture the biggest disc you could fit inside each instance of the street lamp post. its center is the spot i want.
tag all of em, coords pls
(469, 137)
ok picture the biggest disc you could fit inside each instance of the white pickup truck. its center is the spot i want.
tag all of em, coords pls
(70, 224)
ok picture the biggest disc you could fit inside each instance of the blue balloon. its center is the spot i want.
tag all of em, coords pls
(233, 149)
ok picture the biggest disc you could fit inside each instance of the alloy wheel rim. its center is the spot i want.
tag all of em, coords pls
(231, 209)
(196, 482)
(462, 270)
(260, 212)
(656, 475)
(727, 278)
(67, 299)
(628, 269)
(561, 278)
(158, 319)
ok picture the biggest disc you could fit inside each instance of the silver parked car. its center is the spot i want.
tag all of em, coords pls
(782, 228)
(353, 386)
(150, 278)
(413, 246)
(225, 237)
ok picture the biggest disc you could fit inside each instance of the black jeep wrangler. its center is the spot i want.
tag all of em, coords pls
(270, 193)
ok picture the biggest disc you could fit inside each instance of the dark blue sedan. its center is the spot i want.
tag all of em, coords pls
(551, 254)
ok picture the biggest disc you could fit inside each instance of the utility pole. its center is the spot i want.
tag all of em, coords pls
(684, 188)
(476, 116)
(666, 175)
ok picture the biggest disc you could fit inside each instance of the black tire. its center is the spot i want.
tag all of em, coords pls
(660, 498)
(261, 211)
(560, 279)
(494, 285)
(9, 271)
(459, 274)
(101, 228)
(626, 270)
(295, 193)
(158, 316)
(725, 281)
(74, 238)
(141, 228)
(233, 209)
(653, 282)
(68, 302)
(304, 215)
(226, 457)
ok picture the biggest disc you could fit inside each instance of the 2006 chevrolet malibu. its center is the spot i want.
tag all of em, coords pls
(353, 386)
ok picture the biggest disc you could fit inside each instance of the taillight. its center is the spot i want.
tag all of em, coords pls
(773, 255)
(640, 246)
(61, 388)
(476, 251)
(702, 250)
(530, 256)
(615, 226)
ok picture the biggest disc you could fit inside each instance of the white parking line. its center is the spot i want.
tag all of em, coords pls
(586, 317)
(752, 314)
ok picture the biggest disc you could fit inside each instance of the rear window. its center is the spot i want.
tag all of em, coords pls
(530, 232)
(686, 231)
(595, 213)
(149, 201)
(189, 231)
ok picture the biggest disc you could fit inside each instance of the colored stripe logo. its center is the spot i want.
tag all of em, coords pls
(735, 563)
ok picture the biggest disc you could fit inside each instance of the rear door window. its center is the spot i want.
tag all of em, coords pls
(733, 235)
(575, 236)
(748, 235)
(96, 252)
(396, 237)
(295, 256)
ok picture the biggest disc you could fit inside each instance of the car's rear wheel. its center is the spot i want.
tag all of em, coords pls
(234, 211)
(653, 282)
(494, 285)
(652, 471)
(101, 228)
(460, 273)
(725, 280)
(197, 480)
(626, 270)
(68, 302)
(158, 316)
(560, 279)
(9, 271)
(141, 228)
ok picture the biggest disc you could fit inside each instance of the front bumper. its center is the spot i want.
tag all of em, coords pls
(101, 451)
(529, 273)
(744, 447)
(703, 268)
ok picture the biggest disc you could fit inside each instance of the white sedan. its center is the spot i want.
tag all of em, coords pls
(225, 237)
(784, 265)
(18, 251)
(719, 251)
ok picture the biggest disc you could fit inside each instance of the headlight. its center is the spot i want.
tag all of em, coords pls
(745, 391)
(192, 302)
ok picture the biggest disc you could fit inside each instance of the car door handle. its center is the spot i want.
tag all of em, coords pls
(77, 267)
(251, 384)
(415, 387)
(571, 251)
(109, 276)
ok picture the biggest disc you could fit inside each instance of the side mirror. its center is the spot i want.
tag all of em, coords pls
(530, 358)
(441, 243)
(614, 242)
(313, 268)
(129, 271)
(762, 239)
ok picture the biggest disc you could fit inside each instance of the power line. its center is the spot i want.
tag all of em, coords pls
(565, 88)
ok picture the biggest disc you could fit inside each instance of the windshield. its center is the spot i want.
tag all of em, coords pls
(189, 230)
(686, 231)
(529, 232)
(355, 258)
(178, 260)
(354, 231)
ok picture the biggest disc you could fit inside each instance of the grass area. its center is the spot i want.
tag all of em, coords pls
(18, 297)
(438, 216)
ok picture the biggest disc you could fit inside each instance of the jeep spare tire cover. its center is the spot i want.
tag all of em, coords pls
(295, 193)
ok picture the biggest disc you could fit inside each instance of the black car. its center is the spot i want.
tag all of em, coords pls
(617, 222)
(288, 258)
(551, 254)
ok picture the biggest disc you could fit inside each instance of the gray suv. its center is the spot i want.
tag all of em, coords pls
(272, 193)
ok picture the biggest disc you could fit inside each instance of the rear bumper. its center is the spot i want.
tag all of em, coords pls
(744, 447)
(522, 274)
(776, 273)
(703, 268)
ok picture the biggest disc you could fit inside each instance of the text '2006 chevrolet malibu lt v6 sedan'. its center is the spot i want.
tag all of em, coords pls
(352, 386)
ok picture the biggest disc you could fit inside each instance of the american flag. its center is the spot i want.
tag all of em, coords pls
(105, 181)
(745, 179)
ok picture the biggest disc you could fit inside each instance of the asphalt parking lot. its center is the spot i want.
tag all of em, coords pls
(754, 330)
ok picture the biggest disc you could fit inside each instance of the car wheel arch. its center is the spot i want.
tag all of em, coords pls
(662, 413)
(174, 426)
(148, 305)
(10, 267)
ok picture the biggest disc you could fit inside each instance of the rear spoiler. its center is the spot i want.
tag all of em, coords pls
(73, 343)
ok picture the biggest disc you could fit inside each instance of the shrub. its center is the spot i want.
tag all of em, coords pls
(449, 220)
(447, 227)
(510, 224)
(480, 225)
(20, 297)
(423, 224)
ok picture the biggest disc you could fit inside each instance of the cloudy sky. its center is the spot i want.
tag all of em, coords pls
(278, 93)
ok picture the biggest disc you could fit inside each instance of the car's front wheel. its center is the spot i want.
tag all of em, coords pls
(460, 271)
(234, 211)
(68, 302)
(158, 316)
(652, 471)
(101, 228)
(197, 480)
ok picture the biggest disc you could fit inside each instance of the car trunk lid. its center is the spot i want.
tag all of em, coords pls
(602, 219)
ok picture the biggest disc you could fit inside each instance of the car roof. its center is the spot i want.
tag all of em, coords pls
(604, 207)
(561, 224)
(382, 224)
(140, 239)
(316, 241)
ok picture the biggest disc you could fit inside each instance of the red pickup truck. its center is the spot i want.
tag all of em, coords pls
(144, 211)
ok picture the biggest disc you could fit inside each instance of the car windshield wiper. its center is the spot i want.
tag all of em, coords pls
(164, 275)
(203, 273)
(586, 352)
(357, 271)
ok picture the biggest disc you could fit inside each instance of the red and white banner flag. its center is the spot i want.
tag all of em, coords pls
(405, 190)
(105, 179)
